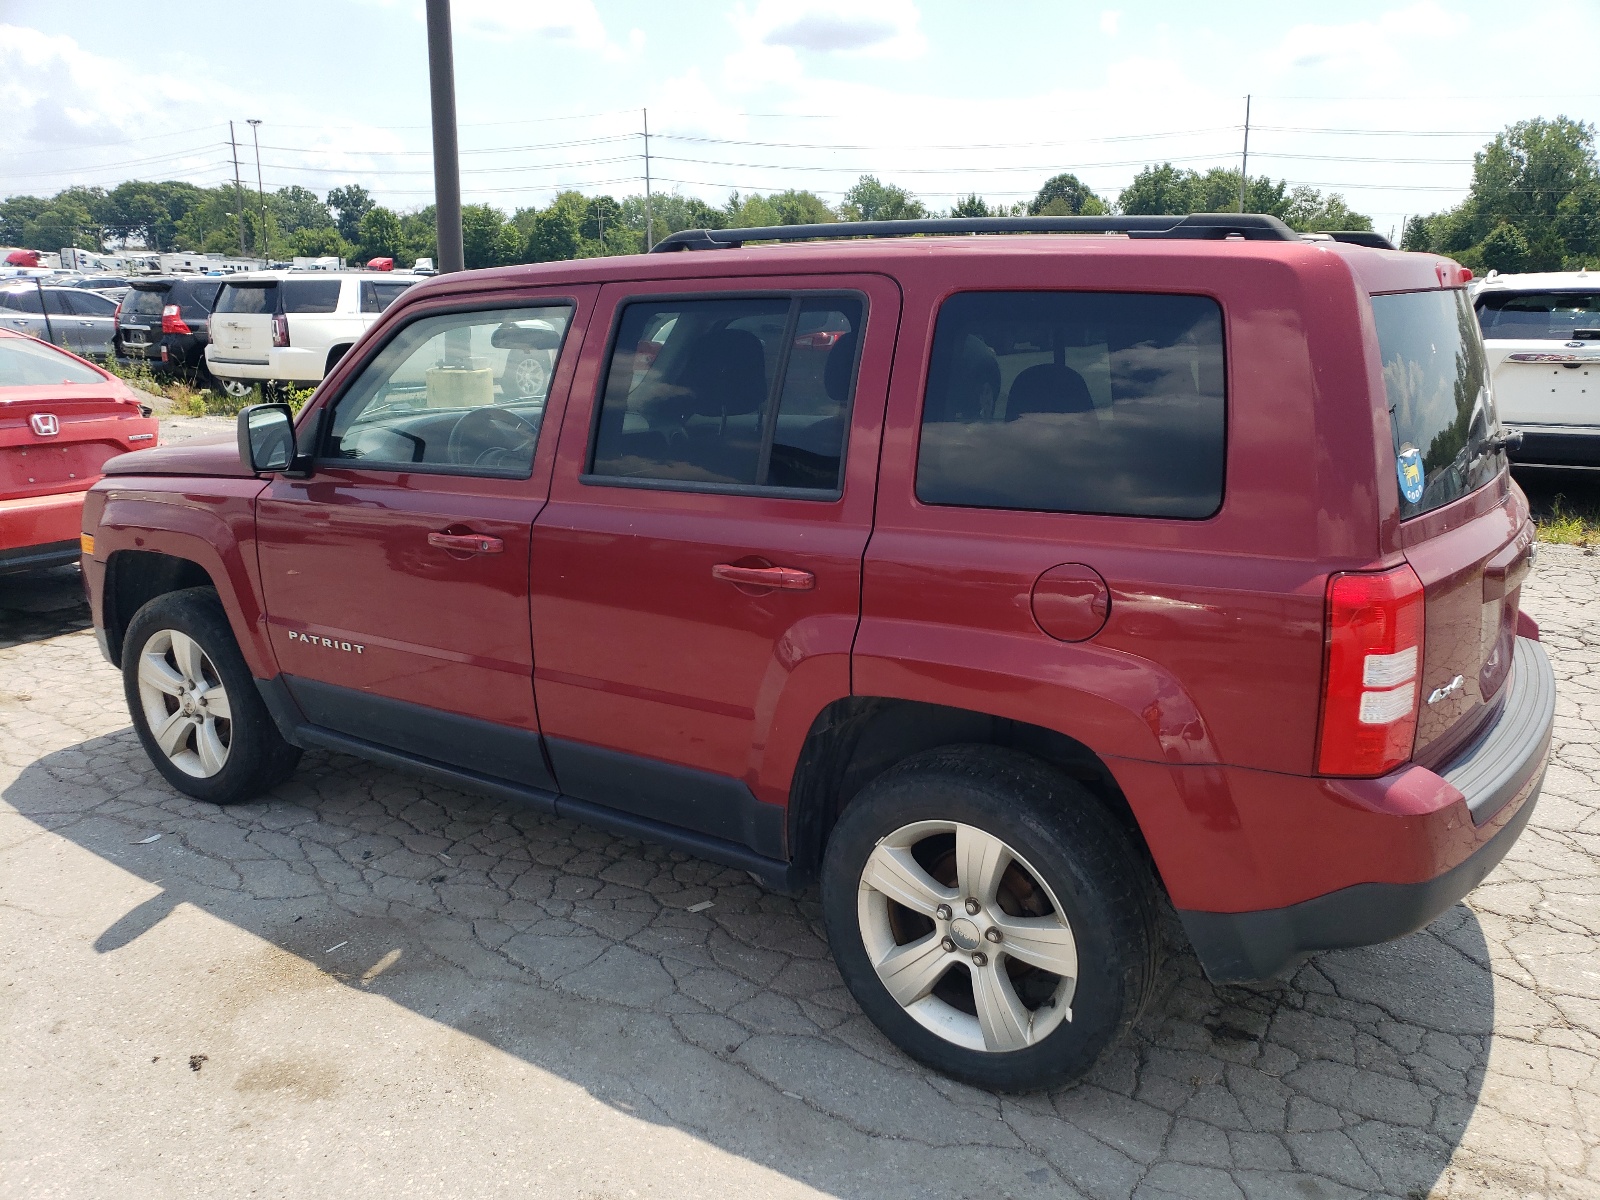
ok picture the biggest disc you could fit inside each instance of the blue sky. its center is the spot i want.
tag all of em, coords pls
(1383, 102)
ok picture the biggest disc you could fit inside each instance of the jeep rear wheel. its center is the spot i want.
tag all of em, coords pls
(194, 704)
(991, 917)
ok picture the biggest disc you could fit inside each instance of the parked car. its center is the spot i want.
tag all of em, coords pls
(165, 322)
(293, 326)
(78, 320)
(61, 418)
(114, 286)
(1006, 584)
(1542, 335)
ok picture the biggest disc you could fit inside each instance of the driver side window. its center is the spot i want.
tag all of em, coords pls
(455, 394)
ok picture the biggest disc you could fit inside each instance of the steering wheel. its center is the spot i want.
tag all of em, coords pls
(492, 437)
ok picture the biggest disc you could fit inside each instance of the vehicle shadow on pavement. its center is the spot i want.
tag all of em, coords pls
(577, 952)
(35, 605)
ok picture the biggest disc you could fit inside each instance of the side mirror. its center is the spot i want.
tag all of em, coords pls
(266, 437)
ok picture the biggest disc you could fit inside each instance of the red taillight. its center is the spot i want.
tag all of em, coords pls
(1374, 659)
(172, 320)
(280, 329)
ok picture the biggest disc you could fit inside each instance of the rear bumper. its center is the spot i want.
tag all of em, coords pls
(1495, 780)
(286, 363)
(1557, 445)
(40, 531)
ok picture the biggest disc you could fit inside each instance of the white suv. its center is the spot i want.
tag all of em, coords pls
(1542, 335)
(293, 326)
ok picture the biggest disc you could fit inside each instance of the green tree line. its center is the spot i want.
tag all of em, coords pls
(1534, 203)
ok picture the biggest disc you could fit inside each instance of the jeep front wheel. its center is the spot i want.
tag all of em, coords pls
(194, 704)
(991, 917)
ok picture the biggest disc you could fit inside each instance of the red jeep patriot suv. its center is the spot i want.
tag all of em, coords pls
(1006, 584)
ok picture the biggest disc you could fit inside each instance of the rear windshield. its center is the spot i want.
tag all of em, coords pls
(1540, 316)
(1439, 404)
(144, 302)
(248, 298)
(26, 363)
(195, 298)
(1086, 402)
(310, 295)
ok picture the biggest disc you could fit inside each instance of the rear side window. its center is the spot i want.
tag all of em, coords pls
(21, 301)
(1083, 402)
(376, 297)
(1440, 408)
(90, 304)
(311, 295)
(734, 393)
(248, 298)
(1540, 316)
(144, 302)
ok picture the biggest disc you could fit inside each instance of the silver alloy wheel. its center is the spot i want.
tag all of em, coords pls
(529, 376)
(971, 930)
(185, 704)
(237, 388)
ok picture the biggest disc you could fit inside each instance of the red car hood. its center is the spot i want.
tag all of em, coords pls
(218, 456)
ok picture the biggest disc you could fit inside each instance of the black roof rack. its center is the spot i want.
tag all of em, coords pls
(1251, 226)
(1356, 237)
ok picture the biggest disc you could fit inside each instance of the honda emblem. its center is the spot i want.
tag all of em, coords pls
(45, 424)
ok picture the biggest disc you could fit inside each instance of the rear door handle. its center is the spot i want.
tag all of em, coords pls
(469, 543)
(788, 578)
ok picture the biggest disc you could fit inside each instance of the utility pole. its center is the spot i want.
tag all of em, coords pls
(238, 188)
(261, 193)
(1244, 162)
(446, 152)
(649, 220)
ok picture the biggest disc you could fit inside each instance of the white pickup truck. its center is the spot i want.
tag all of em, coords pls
(293, 326)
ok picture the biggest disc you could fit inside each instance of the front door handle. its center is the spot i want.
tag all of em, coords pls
(788, 578)
(468, 543)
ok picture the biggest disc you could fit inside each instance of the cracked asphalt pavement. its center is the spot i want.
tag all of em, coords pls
(369, 985)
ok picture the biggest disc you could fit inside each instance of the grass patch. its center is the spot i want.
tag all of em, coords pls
(190, 400)
(1563, 525)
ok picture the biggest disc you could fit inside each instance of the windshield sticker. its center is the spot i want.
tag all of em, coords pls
(1409, 466)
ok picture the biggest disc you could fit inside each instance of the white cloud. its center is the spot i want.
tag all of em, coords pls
(1110, 19)
(1384, 49)
(873, 28)
(574, 23)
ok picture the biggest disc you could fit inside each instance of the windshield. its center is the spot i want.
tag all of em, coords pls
(27, 363)
(1445, 426)
(1540, 316)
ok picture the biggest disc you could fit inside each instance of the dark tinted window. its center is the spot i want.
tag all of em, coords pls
(21, 300)
(248, 298)
(142, 302)
(196, 298)
(310, 295)
(1543, 316)
(734, 392)
(88, 304)
(375, 296)
(57, 302)
(461, 394)
(1090, 402)
(25, 363)
(1439, 403)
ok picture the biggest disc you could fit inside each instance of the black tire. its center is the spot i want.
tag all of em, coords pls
(1076, 849)
(256, 756)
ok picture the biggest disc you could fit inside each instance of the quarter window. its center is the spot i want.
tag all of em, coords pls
(731, 393)
(458, 394)
(1084, 402)
(376, 297)
(311, 295)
